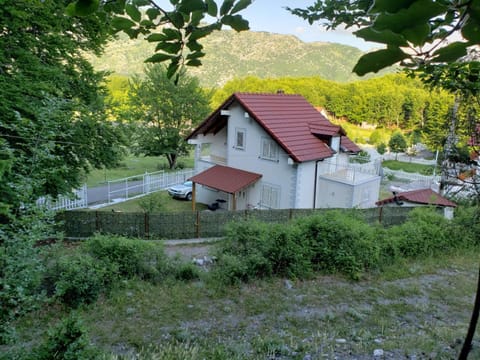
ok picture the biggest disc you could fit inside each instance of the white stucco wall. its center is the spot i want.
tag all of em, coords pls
(276, 173)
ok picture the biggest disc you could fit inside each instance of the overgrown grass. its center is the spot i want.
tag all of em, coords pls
(420, 307)
(364, 136)
(408, 167)
(414, 296)
(133, 165)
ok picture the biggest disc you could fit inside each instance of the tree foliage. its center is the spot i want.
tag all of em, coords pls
(164, 111)
(176, 31)
(52, 113)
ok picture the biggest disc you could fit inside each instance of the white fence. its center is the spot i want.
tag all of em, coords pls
(139, 185)
(118, 190)
(408, 159)
(78, 200)
(427, 180)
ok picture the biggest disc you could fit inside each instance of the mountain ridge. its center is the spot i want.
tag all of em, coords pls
(232, 55)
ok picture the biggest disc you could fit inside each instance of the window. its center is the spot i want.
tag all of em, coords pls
(240, 139)
(270, 196)
(269, 149)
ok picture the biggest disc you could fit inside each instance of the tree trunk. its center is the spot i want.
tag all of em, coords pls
(467, 345)
(450, 142)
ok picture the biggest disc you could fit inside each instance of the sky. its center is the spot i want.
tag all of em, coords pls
(271, 16)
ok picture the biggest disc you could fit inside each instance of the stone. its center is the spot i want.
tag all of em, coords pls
(378, 353)
(341, 341)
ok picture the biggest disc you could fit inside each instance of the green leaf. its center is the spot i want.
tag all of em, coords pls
(139, 3)
(194, 45)
(189, 6)
(419, 13)
(193, 62)
(242, 4)
(378, 60)
(173, 68)
(226, 6)
(177, 19)
(172, 34)
(390, 6)
(153, 13)
(451, 52)
(82, 7)
(122, 23)
(171, 48)
(471, 30)
(212, 8)
(156, 37)
(236, 22)
(384, 36)
(133, 12)
(417, 35)
(159, 58)
(195, 55)
(200, 33)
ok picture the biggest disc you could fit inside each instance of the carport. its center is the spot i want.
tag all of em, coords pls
(224, 178)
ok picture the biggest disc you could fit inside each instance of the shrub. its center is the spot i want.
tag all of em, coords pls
(382, 148)
(425, 233)
(186, 272)
(78, 278)
(67, 341)
(340, 243)
(132, 257)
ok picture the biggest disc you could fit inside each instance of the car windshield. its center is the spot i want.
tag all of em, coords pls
(187, 183)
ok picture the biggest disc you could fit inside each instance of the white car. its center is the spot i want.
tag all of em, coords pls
(181, 191)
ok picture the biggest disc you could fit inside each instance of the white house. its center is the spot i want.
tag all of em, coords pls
(277, 151)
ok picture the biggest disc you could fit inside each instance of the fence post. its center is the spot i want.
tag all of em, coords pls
(197, 225)
(380, 214)
(147, 225)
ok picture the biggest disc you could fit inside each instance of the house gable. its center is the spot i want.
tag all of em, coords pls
(297, 127)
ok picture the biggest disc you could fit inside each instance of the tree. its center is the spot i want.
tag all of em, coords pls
(52, 130)
(397, 143)
(165, 112)
(51, 100)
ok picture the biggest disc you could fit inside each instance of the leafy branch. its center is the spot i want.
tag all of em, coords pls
(177, 32)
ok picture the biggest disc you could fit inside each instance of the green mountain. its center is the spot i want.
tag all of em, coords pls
(234, 55)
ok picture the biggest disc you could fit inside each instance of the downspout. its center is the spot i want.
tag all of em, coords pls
(315, 184)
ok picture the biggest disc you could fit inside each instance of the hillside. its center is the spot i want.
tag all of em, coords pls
(233, 55)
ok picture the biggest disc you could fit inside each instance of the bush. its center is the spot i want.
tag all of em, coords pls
(78, 278)
(186, 272)
(67, 341)
(134, 258)
(340, 243)
(382, 148)
(425, 233)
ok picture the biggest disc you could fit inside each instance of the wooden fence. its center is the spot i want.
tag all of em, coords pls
(198, 224)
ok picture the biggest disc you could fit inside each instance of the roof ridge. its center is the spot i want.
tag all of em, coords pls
(265, 93)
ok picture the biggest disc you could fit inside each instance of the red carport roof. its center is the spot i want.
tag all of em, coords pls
(225, 178)
(422, 196)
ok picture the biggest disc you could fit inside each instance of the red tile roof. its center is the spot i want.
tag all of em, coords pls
(289, 119)
(349, 145)
(225, 178)
(422, 196)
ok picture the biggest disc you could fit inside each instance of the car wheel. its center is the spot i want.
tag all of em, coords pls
(189, 197)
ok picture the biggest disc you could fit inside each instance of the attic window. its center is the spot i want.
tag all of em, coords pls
(240, 138)
(269, 149)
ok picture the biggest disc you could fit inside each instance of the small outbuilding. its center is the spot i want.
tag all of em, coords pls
(421, 197)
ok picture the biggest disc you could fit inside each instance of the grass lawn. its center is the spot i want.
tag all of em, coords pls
(133, 165)
(408, 167)
(157, 202)
(412, 310)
